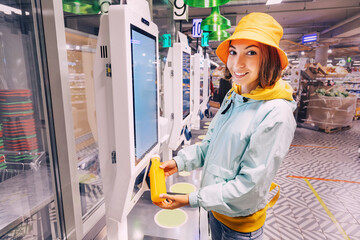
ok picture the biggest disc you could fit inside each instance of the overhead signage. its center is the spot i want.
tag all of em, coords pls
(196, 28)
(180, 10)
(166, 40)
(310, 38)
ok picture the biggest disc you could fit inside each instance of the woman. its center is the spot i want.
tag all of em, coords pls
(247, 139)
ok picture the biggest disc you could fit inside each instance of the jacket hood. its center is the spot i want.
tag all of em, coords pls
(281, 90)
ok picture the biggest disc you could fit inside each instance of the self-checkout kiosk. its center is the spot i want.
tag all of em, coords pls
(126, 81)
(177, 100)
(200, 83)
(205, 65)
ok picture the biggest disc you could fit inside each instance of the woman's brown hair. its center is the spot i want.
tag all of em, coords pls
(270, 66)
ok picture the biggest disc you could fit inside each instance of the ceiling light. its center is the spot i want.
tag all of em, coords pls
(302, 53)
(270, 2)
(329, 51)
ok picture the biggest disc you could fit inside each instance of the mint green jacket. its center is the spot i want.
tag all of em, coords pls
(240, 155)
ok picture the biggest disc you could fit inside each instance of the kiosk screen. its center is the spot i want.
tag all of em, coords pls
(144, 71)
(186, 84)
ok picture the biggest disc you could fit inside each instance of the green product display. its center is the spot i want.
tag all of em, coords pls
(332, 93)
(81, 6)
(220, 35)
(205, 4)
(215, 21)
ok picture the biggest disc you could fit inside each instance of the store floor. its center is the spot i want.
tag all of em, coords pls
(320, 187)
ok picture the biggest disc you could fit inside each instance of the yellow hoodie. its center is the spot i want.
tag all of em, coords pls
(281, 90)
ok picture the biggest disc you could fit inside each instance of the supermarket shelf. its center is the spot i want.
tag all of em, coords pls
(34, 164)
(34, 186)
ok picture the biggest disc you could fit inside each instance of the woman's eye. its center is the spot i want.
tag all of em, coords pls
(251, 53)
(232, 52)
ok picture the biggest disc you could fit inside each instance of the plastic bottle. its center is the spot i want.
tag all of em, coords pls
(157, 180)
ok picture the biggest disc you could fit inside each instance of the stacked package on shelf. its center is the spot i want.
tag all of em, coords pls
(331, 109)
(17, 117)
(2, 156)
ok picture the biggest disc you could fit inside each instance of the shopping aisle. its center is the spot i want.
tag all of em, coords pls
(327, 207)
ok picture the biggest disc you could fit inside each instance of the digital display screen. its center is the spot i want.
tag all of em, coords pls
(144, 73)
(186, 84)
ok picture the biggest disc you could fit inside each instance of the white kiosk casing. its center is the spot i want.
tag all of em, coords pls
(177, 100)
(200, 80)
(206, 78)
(126, 83)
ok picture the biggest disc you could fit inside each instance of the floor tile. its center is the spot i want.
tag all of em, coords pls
(351, 229)
(334, 236)
(309, 224)
(286, 221)
(290, 233)
(313, 235)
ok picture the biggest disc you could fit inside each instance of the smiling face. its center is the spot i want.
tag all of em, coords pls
(244, 63)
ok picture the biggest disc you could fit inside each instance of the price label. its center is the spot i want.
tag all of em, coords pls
(196, 29)
(205, 39)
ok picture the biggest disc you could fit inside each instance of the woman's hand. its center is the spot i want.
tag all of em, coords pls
(169, 167)
(173, 201)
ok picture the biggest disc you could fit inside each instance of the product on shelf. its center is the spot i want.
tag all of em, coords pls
(2, 156)
(332, 92)
(18, 125)
(330, 112)
(337, 71)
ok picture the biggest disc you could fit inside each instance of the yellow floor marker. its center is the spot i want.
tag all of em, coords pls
(201, 137)
(182, 187)
(170, 218)
(207, 123)
(205, 127)
(324, 179)
(332, 217)
(184, 174)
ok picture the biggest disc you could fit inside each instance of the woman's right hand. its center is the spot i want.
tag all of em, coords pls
(169, 167)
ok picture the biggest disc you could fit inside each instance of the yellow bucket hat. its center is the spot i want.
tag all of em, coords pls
(260, 27)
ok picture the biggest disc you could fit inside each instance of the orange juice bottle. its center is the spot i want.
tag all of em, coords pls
(157, 180)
